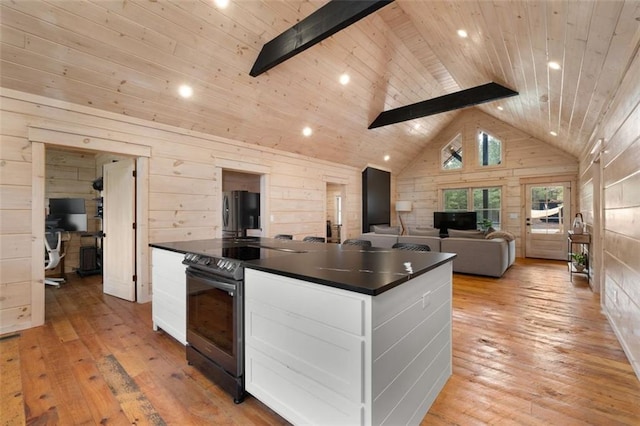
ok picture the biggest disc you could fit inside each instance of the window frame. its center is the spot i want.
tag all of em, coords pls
(477, 146)
(458, 135)
(470, 205)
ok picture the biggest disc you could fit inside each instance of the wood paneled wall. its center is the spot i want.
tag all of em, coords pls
(15, 230)
(619, 163)
(184, 185)
(523, 158)
(236, 181)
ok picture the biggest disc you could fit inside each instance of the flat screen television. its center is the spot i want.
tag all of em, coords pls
(455, 220)
(69, 214)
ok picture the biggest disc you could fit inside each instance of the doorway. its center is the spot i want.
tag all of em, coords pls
(547, 213)
(234, 180)
(335, 208)
(72, 173)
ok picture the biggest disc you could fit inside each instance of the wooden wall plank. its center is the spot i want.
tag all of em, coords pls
(15, 318)
(15, 246)
(13, 295)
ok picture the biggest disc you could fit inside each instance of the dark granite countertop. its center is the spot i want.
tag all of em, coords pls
(369, 271)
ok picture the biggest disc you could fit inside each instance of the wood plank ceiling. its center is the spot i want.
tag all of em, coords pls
(130, 57)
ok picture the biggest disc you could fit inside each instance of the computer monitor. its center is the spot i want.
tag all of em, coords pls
(70, 214)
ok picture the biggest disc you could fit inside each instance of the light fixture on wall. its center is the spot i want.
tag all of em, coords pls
(402, 207)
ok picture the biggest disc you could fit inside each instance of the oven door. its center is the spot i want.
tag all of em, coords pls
(215, 319)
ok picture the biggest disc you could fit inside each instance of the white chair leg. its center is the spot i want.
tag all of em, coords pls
(54, 281)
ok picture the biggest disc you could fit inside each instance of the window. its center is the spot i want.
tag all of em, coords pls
(487, 202)
(338, 210)
(489, 150)
(455, 200)
(451, 155)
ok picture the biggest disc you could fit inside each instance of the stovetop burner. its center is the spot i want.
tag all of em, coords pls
(227, 261)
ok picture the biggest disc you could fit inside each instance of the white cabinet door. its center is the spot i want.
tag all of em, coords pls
(169, 301)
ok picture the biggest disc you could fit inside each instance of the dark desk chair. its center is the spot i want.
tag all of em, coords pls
(311, 239)
(411, 246)
(283, 237)
(53, 246)
(357, 242)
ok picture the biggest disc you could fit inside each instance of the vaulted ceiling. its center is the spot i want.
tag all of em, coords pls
(130, 57)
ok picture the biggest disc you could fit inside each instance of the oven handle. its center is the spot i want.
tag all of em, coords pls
(231, 288)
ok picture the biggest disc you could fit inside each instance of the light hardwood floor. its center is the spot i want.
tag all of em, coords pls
(529, 348)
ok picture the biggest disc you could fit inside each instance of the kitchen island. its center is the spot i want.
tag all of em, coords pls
(348, 336)
(340, 334)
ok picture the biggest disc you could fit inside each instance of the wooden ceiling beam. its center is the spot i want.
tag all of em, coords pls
(321, 24)
(462, 99)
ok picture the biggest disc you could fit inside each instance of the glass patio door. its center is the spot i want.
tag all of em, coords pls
(547, 220)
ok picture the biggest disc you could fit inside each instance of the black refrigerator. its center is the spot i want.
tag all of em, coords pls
(240, 211)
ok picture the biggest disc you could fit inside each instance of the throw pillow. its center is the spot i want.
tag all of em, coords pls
(501, 234)
(455, 233)
(393, 230)
(424, 232)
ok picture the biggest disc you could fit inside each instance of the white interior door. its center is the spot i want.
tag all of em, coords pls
(547, 220)
(118, 250)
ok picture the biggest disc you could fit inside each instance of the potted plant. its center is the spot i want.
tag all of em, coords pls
(579, 261)
(485, 224)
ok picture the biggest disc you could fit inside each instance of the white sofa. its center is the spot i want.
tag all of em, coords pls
(479, 256)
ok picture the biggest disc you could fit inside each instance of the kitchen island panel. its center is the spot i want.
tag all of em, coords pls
(392, 304)
(400, 376)
(309, 329)
(408, 312)
(294, 396)
(411, 391)
(309, 300)
(317, 351)
(169, 293)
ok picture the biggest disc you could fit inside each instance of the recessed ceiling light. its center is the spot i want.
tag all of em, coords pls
(222, 4)
(185, 91)
(500, 108)
(387, 158)
(462, 34)
(552, 133)
(344, 79)
(553, 65)
(307, 131)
